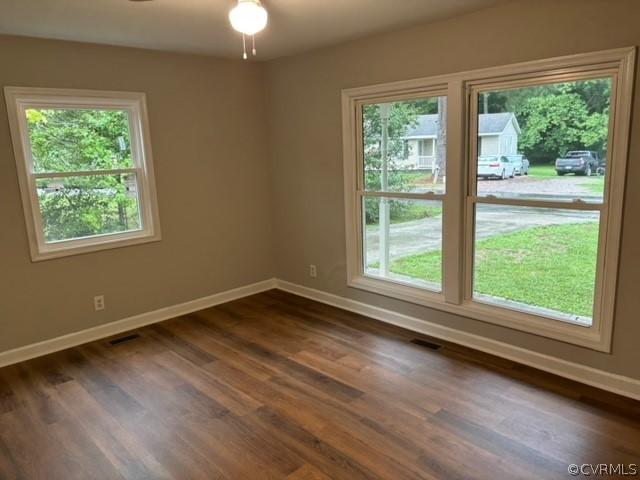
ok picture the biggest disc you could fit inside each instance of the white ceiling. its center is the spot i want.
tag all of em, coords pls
(201, 26)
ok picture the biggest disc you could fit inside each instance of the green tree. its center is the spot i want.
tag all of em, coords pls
(554, 124)
(595, 93)
(402, 117)
(551, 124)
(76, 206)
(556, 118)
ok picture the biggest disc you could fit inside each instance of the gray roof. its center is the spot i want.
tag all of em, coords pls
(490, 123)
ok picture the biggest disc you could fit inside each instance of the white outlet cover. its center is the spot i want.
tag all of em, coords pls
(98, 302)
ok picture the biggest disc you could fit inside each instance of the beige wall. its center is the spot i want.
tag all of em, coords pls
(226, 211)
(306, 156)
(208, 137)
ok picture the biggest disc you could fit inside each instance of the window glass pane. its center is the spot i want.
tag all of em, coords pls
(77, 207)
(79, 140)
(405, 145)
(538, 260)
(546, 142)
(403, 241)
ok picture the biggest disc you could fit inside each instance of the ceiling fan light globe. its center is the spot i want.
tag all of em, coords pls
(248, 17)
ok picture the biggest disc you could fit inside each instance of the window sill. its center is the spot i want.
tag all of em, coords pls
(80, 247)
(583, 336)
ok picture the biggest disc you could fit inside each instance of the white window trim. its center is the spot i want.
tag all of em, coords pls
(457, 233)
(429, 91)
(20, 98)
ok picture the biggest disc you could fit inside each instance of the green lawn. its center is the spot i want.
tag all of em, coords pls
(413, 178)
(413, 181)
(402, 211)
(543, 171)
(595, 185)
(551, 267)
(416, 211)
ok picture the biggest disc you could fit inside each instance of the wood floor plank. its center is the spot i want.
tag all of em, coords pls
(8, 398)
(32, 450)
(275, 386)
(326, 456)
(117, 444)
(255, 349)
(233, 399)
(308, 472)
(519, 454)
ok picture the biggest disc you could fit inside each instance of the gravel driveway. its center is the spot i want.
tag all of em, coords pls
(550, 188)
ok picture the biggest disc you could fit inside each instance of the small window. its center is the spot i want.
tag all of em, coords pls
(85, 171)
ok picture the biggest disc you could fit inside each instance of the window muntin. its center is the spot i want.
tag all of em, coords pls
(401, 202)
(85, 170)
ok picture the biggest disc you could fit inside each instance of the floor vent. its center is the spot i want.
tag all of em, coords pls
(424, 343)
(128, 338)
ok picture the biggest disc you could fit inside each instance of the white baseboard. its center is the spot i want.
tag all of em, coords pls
(95, 333)
(619, 384)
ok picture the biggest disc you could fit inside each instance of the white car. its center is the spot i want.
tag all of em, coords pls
(492, 166)
(520, 164)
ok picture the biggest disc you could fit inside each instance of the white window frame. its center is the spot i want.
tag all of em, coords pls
(458, 219)
(18, 100)
(429, 91)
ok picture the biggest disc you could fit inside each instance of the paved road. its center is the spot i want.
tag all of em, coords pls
(424, 235)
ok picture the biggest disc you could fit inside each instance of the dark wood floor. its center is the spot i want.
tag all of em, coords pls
(276, 386)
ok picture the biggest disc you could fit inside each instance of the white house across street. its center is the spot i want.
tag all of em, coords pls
(498, 132)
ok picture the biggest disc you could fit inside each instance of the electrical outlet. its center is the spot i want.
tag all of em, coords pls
(313, 271)
(98, 302)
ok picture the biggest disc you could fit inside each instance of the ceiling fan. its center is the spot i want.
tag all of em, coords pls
(247, 17)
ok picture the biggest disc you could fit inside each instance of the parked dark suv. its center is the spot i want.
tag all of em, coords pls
(580, 162)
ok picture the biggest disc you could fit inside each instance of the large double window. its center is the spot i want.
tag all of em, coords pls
(494, 194)
(85, 171)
